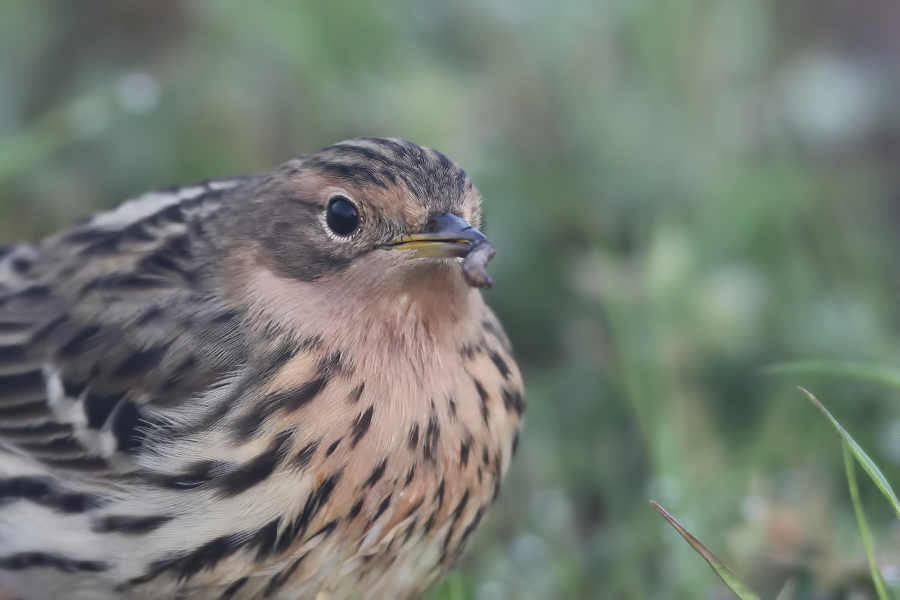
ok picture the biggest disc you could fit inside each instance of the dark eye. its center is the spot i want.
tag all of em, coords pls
(341, 216)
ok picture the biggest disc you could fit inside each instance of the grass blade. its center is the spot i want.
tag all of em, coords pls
(882, 375)
(725, 574)
(788, 590)
(863, 525)
(867, 464)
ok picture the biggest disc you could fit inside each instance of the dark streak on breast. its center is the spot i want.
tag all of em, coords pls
(234, 588)
(501, 365)
(356, 394)
(483, 397)
(326, 529)
(361, 427)
(279, 579)
(256, 470)
(464, 446)
(439, 495)
(432, 435)
(377, 474)
(410, 529)
(512, 400)
(381, 508)
(289, 401)
(356, 508)
(457, 514)
(332, 447)
(414, 508)
(301, 461)
(413, 440)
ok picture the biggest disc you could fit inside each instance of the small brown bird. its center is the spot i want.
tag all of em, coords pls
(277, 386)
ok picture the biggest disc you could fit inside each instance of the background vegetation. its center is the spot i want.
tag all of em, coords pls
(682, 193)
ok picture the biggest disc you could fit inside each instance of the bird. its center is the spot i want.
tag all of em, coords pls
(285, 385)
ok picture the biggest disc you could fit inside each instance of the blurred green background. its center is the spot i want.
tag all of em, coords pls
(682, 193)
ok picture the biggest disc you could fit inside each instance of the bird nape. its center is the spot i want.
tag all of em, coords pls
(284, 385)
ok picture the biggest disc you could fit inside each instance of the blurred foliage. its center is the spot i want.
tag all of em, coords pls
(682, 193)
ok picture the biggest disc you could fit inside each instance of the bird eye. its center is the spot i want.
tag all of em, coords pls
(341, 216)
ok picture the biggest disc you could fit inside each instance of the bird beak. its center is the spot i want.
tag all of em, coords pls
(445, 236)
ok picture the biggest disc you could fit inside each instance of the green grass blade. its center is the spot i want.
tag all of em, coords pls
(788, 590)
(725, 574)
(882, 375)
(867, 464)
(863, 525)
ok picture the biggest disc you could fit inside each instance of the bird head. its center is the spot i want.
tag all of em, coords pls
(367, 202)
(370, 219)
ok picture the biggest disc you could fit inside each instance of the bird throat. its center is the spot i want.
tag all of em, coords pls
(382, 318)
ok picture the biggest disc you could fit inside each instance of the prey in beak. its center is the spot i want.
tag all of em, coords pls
(449, 236)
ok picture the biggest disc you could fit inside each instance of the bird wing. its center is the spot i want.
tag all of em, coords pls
(104, 328)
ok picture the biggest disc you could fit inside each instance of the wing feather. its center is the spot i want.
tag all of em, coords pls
(107, 325)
